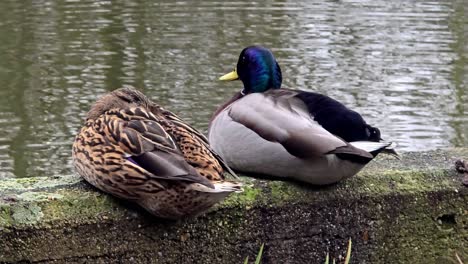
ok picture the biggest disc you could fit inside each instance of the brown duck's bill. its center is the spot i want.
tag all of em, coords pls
(230, 76)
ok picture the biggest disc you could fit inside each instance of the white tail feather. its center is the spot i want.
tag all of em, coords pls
(219, 187)
(370, 146)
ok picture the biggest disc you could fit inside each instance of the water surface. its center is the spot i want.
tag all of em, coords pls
(402, 64)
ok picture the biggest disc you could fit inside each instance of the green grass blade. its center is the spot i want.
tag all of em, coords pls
(458, 258)
(327, 258)
(259, 256)
(348, 252)
(246, 260)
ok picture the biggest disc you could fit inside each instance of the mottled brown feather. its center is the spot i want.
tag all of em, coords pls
(173, 160)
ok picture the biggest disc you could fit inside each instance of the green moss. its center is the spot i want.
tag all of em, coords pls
(26, 214)
(248, 197)
(76, 204)
(422, 232)
(401, 181)
(64, 205)
(5, 216)
(283, 192)
(38, 196)
(19, 185)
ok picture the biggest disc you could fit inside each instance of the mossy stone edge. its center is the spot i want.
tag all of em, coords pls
(409, 211)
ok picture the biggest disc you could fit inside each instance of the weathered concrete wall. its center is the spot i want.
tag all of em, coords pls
(409, 211)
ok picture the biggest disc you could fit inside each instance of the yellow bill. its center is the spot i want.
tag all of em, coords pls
(230, 76)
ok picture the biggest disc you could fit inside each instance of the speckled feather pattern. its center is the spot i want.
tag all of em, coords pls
(110, 148)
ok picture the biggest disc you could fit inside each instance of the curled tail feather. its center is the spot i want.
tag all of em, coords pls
(219, 187)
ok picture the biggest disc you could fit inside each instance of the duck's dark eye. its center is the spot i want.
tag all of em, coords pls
(373, 133)
(376, 132)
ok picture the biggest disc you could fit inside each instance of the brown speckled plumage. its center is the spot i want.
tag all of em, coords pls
(134, 149)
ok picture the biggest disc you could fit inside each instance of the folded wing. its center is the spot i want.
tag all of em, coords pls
(278, 116)
(147, 145)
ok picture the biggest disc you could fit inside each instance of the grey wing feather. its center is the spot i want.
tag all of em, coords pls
(280, 117)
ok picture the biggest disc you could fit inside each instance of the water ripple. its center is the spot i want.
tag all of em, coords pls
(402, 64)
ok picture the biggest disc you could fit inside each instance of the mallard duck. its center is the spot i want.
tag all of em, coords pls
(136, 150)
(266, 129)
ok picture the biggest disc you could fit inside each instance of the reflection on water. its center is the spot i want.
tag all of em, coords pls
(402, 64)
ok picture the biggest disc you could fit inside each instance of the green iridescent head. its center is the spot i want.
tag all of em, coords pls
(257, 69)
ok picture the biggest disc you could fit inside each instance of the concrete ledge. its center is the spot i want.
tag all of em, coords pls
(409, 211)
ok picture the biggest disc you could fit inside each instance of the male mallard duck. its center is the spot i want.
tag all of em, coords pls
(134, 149)
(296, 134)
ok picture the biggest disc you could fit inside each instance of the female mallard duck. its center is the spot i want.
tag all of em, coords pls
(134, 149)
(289, 133)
